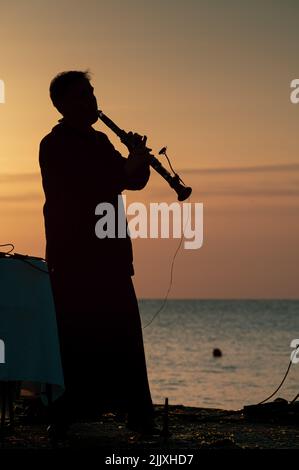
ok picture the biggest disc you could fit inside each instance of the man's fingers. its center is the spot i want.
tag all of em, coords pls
(138, 144)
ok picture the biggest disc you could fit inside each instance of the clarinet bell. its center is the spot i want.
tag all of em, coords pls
(182, 191)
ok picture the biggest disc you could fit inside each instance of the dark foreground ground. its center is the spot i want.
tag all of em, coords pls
(189, 428)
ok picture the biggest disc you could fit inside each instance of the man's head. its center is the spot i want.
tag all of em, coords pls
(72, 94)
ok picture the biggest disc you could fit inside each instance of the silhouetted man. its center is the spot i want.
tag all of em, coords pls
(96, 306)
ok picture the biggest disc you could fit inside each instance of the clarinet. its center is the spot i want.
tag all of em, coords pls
(175, 182)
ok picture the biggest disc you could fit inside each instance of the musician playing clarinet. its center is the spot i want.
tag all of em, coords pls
(97, 313)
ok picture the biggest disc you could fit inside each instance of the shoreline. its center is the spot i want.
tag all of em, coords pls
(190, 428)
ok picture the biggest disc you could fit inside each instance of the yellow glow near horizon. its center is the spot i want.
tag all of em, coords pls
(211, 83)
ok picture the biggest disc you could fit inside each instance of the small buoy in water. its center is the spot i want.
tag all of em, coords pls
(217, 352)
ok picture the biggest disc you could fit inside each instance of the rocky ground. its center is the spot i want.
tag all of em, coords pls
(182, 428)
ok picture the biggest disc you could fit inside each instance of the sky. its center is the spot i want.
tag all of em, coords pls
(208, 78)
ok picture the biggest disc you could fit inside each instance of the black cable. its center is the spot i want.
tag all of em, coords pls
(9, 244)
(171, 273)
(22, 258)
(171, 167)
(169, 163)
(169, 287)
(283, 380)
(294, 399)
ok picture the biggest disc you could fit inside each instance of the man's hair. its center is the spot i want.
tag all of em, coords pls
(63, 81)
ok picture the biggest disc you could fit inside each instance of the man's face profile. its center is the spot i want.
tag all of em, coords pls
(80, 104)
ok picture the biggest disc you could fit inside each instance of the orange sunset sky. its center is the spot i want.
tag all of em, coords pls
(208, 78)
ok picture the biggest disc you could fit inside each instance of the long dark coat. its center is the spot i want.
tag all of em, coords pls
(96, 306)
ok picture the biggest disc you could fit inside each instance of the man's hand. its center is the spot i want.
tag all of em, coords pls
(136, 144)
(137, 164)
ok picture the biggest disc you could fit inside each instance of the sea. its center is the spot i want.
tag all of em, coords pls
(254, 337)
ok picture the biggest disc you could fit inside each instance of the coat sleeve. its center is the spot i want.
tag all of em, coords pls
(136, 181)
